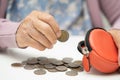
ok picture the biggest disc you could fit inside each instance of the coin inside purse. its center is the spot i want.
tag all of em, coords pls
(102, 51)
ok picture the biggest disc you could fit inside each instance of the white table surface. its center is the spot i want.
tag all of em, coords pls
(59, 51)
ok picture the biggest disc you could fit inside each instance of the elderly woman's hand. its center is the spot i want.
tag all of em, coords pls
(116, 37)
(38, 30)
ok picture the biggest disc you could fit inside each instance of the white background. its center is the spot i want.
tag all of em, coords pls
(59, 51)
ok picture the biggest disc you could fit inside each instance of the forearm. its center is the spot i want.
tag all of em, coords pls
(95, 13)
(7, 33)
(3, 8)
(111, 10)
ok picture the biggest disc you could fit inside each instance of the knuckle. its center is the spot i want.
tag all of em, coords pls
(46, 27)
(49, 17)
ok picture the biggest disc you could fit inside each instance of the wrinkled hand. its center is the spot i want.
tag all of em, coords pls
(116, 37)
(38, 30)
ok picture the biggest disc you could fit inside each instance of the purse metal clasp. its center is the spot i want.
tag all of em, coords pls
(83, 49)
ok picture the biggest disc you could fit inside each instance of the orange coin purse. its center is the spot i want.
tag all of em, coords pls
(99, 51)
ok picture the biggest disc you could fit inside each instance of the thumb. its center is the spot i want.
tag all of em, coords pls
(115, 33)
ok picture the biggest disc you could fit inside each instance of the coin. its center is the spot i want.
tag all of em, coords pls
(67, 60)
(78, 62)
(16, 65)
(64, 36)
(32, 61)
(79, 69)
(72, 73)
(43, 62)
(40, 72)
(52, 70)
(49, 66)
(29, 67)
(73, 65)
(41, 58)
(57, 62)
(52, 59)
(66, 65)
(61, 68)
(39, 66)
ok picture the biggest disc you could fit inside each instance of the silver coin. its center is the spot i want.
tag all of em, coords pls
(61, 68)
(32, 61)
(66, 65)
(57, 62)
(67, 60)
(64, 36)
(49, 66)
(73, 65)
(52, 70)
(40, 72)
(29, 67)
(52, 59)
(78, 62)
(42, 58)
(39, 66)
(43, 62)
(72, 73)
(79, 69)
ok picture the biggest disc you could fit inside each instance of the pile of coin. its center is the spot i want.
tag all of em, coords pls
(41, 65)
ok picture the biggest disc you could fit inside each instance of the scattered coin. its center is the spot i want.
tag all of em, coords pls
(32, 61)
(66, 65)
(52, 70)
(73, 65)
(57, 62)
(64, 36)
(72, 73)
(61, 68)
(39, 66)
(42, 58)
(51, 65)
(44, 62)
(67, 60)
(79, 69)
(16, 65)
(52, 60)
(29, 67)
(78, 62)
(40, 72)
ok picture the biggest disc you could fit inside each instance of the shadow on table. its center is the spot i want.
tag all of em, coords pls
(95, 72)
(18, 54)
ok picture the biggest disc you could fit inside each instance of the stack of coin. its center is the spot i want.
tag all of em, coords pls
(42, 64)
